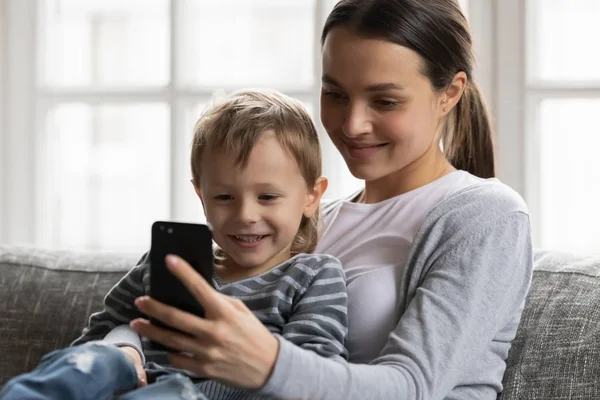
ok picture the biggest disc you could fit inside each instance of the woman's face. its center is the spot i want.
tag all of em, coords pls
(378, 108)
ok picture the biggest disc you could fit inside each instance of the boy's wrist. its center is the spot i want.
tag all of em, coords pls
(131, 353)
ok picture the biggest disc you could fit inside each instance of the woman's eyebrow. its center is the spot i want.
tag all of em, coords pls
(378, 87)
(328, 79)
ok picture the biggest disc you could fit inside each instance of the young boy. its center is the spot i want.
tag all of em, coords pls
(256, 167)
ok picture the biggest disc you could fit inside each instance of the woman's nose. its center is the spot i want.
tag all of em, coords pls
(356, 121)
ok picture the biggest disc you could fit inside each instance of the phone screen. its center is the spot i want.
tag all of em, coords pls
(191, 242)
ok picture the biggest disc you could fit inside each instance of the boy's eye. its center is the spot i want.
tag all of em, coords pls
(223, 197)
(267, 197)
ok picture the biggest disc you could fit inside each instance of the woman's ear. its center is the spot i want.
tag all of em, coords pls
(451, 96)
(314, 197)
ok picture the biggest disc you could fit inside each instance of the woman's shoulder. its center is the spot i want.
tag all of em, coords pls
(472, 211)
(489, 197)
(328, 206)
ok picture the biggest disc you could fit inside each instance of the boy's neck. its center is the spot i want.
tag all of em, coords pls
(230, 271)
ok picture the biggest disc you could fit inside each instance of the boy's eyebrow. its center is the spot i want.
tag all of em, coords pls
(260, 185)
(378, 87)
(267, 185)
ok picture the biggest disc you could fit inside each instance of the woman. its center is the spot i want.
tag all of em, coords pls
(438, 258)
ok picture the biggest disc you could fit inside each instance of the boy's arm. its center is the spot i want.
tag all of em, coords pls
(111, 324)
(124, 335)
(319, 320)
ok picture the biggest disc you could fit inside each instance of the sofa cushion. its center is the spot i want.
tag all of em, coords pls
(556, 354)
(47, 297)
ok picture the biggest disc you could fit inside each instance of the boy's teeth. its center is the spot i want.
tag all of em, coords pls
(248, 238)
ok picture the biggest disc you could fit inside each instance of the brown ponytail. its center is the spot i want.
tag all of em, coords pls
(438, 31)
(467, 138)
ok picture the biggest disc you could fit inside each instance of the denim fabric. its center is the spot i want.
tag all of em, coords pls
(167, 387)
(93, 371)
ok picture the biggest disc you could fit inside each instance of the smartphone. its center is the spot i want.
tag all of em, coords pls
(191, 242)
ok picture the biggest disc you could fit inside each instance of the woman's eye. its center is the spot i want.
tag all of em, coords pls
(223, 197)
(334, 95)
(387, 103)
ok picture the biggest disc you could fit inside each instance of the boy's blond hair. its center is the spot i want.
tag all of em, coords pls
(236, 124)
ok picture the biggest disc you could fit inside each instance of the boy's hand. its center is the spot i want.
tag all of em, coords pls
(133, 355)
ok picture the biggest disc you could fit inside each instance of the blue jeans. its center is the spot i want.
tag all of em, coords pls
(94, 371)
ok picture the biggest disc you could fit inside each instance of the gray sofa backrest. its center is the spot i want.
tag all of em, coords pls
(556, 354)
(48, 296)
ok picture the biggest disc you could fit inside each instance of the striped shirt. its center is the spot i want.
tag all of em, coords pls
(303, 299)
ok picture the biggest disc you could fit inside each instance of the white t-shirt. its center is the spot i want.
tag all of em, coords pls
(373, 241)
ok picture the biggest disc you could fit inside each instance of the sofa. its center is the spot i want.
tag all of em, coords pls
(47, 296)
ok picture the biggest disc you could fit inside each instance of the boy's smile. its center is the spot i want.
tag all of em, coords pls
(255, 209)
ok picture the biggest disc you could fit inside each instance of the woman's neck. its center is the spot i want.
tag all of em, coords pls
(424, 170)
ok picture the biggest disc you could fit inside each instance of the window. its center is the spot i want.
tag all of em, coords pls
(105, 122)
(546, 91)
(114, 89)
(104, 95)
(562, 92)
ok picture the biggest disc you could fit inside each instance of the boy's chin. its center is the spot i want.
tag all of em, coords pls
(245, 262)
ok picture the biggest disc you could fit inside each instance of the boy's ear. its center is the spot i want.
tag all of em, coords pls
(314, 197)
(199, 194)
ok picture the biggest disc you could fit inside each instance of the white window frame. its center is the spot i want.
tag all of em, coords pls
(518, 102)
(23, 214)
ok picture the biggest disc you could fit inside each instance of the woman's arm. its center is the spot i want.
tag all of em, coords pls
(472, 284)
(468, 294)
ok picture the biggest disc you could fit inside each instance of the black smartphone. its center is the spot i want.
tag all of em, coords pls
(191, 242)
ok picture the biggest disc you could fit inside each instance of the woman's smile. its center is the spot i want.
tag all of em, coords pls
(365, 151)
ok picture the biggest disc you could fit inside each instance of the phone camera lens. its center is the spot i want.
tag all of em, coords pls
(170, 230)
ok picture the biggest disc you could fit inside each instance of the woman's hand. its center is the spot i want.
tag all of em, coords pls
(229, 344)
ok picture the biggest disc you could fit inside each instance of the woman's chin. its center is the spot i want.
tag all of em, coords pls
(365, 172)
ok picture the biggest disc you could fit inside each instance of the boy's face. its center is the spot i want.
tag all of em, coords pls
(255, 211)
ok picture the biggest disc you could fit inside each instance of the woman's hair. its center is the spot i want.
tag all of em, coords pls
(438, 31)
(235, 125)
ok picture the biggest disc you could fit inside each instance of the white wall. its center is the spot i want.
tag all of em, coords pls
(17, 193)
(2, 130)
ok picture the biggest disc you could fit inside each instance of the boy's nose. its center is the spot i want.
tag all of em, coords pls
(248, 212)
